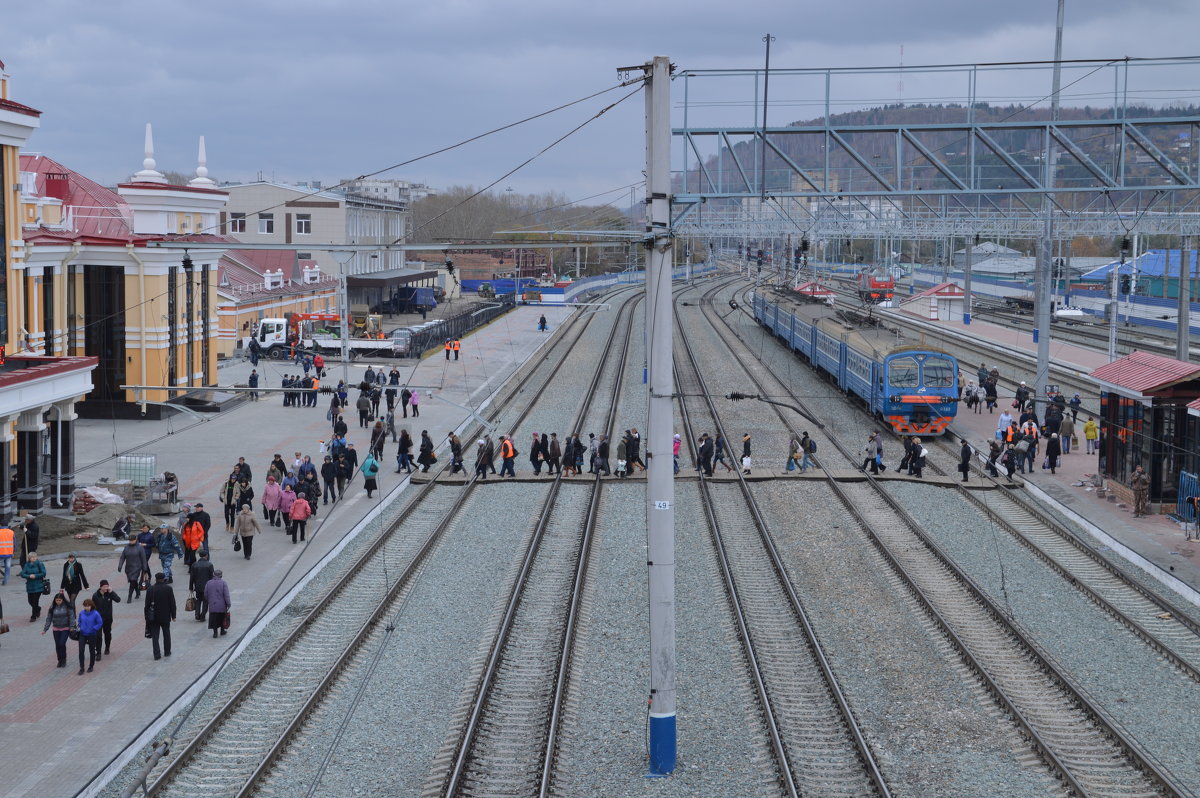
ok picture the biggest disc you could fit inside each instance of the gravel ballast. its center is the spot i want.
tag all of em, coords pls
(1146, 695)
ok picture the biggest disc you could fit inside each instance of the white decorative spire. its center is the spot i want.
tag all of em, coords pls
(202, 180)
(148, 173)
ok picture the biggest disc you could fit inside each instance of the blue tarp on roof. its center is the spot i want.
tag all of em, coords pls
(1151, 263)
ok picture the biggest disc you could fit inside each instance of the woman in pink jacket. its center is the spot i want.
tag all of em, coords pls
(286, 500)
(272, 494)
(299, 516)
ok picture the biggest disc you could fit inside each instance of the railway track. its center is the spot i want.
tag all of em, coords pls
(505, 735)
(818, 746)
(234, 750)
(1160, 623)
(1074, 737)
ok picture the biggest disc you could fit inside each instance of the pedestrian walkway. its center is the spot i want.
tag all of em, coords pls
(1156, 542)
(62, 728)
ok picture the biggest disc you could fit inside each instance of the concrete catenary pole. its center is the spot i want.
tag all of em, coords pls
(970, 248)
(660, 486)
(1041, 330)
(1183, 335)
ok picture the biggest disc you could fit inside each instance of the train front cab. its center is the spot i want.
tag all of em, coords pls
(920, 394)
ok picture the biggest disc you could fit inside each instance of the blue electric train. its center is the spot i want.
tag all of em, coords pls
(914, 389)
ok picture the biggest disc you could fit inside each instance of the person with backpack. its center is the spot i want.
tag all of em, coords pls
(808, 447)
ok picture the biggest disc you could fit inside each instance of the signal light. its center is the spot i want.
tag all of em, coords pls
(3, 356)
(1126, 283)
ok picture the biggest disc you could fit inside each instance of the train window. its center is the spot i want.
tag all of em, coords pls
(939, 372)
(903, 372)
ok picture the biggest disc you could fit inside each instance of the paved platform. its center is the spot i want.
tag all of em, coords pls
(61, 728)
(1156, 542)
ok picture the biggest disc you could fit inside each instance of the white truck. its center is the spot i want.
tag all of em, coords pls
(319, 332)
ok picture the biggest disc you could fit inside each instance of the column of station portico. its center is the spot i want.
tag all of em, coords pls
(21, 440)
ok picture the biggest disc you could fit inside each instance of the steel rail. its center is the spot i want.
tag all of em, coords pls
(481, 694)
(569, 633)
(1189, 668)
(1129, 748)
(240, 696)
(1066, 537)
(1163, 647)
(866, 758)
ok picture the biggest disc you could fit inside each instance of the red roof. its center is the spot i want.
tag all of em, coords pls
(96, 212)
(948, 290)
(815, 290)
(1143, 372)
(241, 272)
(18, 107)
(30, 367)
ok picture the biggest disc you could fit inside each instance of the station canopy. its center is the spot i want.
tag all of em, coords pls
(390, 277)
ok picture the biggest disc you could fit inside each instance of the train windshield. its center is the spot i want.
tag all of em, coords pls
(902, 372)
(939, 372)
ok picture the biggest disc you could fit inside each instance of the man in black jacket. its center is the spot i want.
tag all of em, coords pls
(160, 611)
(198, 514)
(706, 454)
(329, 474)
(602, 456)
(104, 599)
(201, 571)
(243, 470)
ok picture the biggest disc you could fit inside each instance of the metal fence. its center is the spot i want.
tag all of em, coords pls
(436, 333)
(1189, 486)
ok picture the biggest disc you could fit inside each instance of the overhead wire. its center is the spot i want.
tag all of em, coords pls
(528, 160)
(430, 154)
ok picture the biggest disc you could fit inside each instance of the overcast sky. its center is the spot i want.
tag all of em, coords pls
(315, 89)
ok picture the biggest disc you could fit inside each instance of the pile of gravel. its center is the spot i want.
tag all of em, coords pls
(98, 521)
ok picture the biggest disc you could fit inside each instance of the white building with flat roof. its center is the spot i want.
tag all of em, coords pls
(278, 213)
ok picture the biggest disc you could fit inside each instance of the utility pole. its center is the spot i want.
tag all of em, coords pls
(1041, 329)
(967, 279)
(1114, 304)
(1183, 335)
(344, 256)
(660, 485)
(762, 164)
